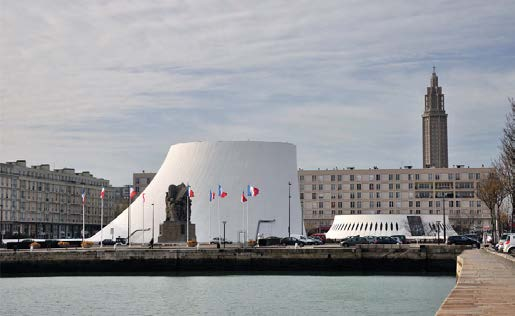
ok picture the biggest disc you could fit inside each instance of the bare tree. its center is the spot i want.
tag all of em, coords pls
(505, 164)
(492, 192)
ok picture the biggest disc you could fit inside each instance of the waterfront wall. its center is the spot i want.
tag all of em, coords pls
(128, 260)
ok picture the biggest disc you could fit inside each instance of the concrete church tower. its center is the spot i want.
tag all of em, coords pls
(434, 127)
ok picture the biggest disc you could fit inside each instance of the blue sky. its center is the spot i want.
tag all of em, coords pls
(109, 86)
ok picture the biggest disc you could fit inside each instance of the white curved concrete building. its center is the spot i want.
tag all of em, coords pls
(268, 166)
(412, 226)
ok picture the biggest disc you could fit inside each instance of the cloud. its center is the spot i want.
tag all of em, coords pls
(108, 86)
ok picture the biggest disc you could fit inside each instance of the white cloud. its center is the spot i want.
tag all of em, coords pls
(108, 86)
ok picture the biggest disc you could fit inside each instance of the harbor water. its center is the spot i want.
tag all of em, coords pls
(225, 295)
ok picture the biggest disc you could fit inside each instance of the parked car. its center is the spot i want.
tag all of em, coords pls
(499, 246)
(216, 240)
(371, 239)
(402, 238)
(315, 241)
(320, 236)
(291, 241)
(352, 241)
(385, 240)
(463, 240)
(304, 239)
(108, 242)
(121, 241)
(509, 244)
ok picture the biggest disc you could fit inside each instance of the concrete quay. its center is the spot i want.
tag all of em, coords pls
(485, 285)
(365, 258)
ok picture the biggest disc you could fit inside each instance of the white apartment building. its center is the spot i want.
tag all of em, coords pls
(326, 193)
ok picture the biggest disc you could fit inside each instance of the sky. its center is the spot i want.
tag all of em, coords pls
(109, 86)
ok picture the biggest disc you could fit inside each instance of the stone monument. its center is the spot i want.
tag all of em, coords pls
(173, 229)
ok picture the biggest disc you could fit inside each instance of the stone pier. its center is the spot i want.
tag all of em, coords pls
(485, 285)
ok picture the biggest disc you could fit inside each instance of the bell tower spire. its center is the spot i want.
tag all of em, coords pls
(434, 126)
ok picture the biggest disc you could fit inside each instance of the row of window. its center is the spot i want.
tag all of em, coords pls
(431, 212)
(393, 177)
(366, 226)
(398, 204)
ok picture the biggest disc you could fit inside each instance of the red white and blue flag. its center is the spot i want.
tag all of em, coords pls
(102, 193)
(143, 196)
(83, 196)
(252, 191)
(221, 192)
(211, 195)
(132, 193)
(190, 192)
(243, 198)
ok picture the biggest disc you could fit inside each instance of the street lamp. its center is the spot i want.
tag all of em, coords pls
(289, 208)
(444, 225)
(438, 230)
(223, 240)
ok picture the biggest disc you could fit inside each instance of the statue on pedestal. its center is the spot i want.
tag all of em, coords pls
(173, 229)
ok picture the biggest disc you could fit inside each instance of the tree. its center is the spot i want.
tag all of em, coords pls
(505, 164)
(492, 192)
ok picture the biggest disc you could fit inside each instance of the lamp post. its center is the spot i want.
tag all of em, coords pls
(438, 230)
(289, 208)
(152, 221)
(1, 224)
(223, 240)
(444, 224)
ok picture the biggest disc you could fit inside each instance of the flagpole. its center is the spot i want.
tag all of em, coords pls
(83, 217)
(243, 221)
(129, 221)
(143, 219)
(101, 222)
(247, 227)
(210, 194)
(219, 231)
(188, 216)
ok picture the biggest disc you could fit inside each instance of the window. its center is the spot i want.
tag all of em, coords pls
(321, 212)
(378, 195)
(371, 186)
(313, 178)
(313, 196)
(339, 186)
(352, 204)
(301, 178)
(352, 195)
(321, 187)
(313, 187)
(351, 177)
(478, 204)
(410, 203)
(390, 177)
(371, 205)
(417, 211)
(451, 203)
(378, 186)
(378, 177)
(437, 176)
(339, 177)
(390, 195)
(410, 186)
(457, 203)
(370, 177)
(333, 178)
(333, 204)
(390, 204)
(352, 186)
(359, 195)
(358, 186)
(397, 177)
(378, 204)
(340, 204)
(398, 205)
(397, 195)
(430, 203)
(390, 186)
(320, 204)
(333, 187)
(417, 176)
(396, 226)
(397, 186)
(359, 204)
(417, 204)
(339, 212)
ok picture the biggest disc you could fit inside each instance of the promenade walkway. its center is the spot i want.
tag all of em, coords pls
(486, 286)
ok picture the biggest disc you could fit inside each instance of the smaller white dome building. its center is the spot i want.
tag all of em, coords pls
(412, 226)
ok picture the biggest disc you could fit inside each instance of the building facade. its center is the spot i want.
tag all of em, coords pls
(38, 202)
(434, 127)
(141, 180)
(428, 191)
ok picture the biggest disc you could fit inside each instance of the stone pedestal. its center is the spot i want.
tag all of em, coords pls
(175, 232)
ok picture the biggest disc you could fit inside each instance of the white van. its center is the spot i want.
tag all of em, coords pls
(509, 244)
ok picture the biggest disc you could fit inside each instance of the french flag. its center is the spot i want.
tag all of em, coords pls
(211, 195)
(190, 192)
(83, 196)
(221, 192)
(143, 196)
(243, 198)
(132, 193)
(252, 191)
(102, 193)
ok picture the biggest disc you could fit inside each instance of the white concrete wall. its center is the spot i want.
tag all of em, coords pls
(266, 165)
